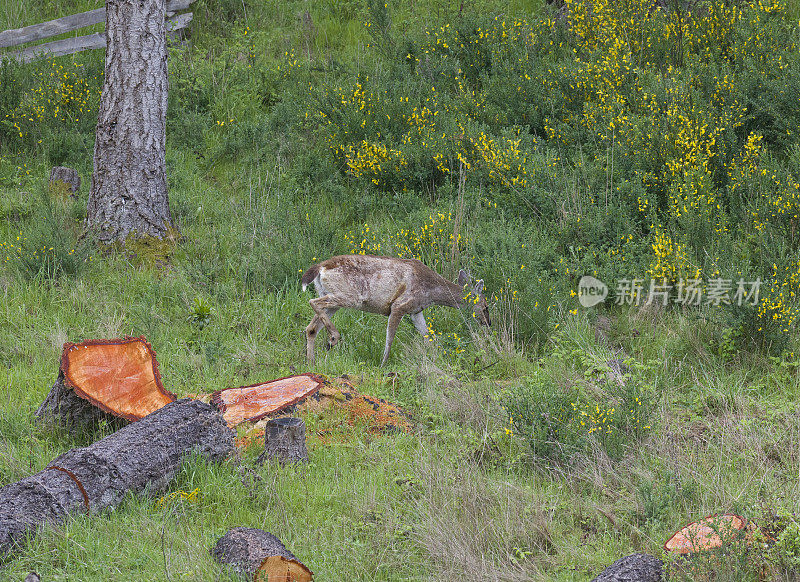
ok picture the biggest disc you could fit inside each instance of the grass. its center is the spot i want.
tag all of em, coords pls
(477, 491)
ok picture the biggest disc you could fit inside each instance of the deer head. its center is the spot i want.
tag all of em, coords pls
(480, 309)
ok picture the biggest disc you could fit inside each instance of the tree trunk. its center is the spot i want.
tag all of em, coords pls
(144, 455)
(129, 185)
(259, 556)
(285, 440)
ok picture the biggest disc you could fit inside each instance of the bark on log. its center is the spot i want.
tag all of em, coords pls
(141, 457)
(259, 555)
(285, 440)
(633, 568)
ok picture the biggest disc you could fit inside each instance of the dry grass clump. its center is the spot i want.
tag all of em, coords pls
(477, 527)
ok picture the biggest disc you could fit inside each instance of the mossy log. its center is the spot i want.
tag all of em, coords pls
(633, 568)
(259, 556)
(141, 457)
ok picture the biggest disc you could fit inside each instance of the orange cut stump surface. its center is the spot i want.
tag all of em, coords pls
(708, 533)
(251, 403)
(279, 569)
(120, 376)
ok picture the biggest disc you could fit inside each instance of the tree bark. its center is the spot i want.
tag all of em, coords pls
(285, 440)
(129, 186)
(62, 406)
(259, 555)
(143, 456)
(633, 568)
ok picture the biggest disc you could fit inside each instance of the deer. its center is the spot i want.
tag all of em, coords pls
(387, 285)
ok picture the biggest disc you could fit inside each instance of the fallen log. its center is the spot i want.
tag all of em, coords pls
(141, 457)
(252, 403)
(259, 556)
(711, 532)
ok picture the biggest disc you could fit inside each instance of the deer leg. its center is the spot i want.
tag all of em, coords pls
(422, 327)
(394, 320)
(332, 339)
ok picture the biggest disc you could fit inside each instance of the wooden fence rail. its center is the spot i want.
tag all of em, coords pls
(18, 36)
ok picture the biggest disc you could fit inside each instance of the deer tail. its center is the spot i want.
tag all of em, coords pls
(309, 276)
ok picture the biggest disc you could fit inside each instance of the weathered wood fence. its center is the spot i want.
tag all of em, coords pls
(68, 46)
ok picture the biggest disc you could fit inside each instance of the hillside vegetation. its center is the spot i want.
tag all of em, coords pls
(531, 144)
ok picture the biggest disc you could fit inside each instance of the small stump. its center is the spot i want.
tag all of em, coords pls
(285, 440)
(65, 178)
(259, 556)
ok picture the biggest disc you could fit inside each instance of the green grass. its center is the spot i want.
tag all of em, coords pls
(469, 494)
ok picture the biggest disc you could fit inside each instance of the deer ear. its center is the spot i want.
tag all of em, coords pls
(478, 289)
(463, 278)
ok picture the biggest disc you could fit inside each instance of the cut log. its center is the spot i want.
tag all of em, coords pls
(62, 177)
(711, 532)
(259, 556)
(141, 457)
(633, 568)
(252, 403)
(285, 440)
(118, 376)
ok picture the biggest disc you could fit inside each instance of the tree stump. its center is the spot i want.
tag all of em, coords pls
(285, 440)
(105, 380)
(257, 401)
(259, 556)
(62, 177)
(143, 456)
(69, 410)
(633, 568)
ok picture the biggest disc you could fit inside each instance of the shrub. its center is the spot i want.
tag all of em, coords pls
(47, 247)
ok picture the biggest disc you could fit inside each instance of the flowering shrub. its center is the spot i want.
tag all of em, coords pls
(59, 96)
(558, 421)
(435, 242)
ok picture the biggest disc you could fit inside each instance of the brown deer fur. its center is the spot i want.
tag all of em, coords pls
(387, 285)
